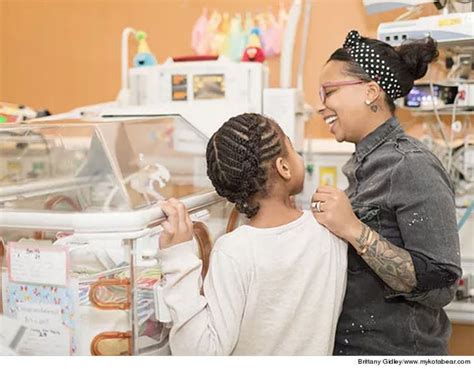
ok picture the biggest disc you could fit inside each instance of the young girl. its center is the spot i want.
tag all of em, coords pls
(275, 286)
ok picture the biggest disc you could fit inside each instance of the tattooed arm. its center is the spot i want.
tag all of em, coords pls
(408, 271)
(391, 263)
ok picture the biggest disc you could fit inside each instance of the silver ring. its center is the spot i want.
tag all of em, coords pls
(317, 206)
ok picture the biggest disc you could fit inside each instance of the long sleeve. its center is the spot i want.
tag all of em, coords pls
(423, 199)
(209, 324)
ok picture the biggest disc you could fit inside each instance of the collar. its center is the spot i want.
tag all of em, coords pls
(375, 138)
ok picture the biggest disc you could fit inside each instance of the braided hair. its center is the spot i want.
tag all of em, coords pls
(240, 157)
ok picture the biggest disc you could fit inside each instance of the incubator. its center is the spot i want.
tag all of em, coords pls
(79, 227)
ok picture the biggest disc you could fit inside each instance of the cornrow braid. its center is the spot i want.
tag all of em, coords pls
(238, 157)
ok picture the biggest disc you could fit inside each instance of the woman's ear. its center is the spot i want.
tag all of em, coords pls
(373, 92)
(283, 168)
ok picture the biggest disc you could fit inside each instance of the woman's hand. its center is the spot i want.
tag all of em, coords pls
(178, 227)
(335, 211)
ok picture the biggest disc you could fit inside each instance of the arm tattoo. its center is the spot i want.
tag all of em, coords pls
(364, 236)
(391, 263)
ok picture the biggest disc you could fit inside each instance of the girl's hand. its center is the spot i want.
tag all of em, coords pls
(178, 227)
(335, 211)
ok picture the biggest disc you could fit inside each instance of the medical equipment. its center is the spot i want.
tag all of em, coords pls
(209, 92)
(420, 96)
(13, 113)
(455, 28)
(376, 6)
(466, 92)
(81, 238)
(205, 93)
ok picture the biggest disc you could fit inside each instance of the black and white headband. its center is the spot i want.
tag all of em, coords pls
(372, 64)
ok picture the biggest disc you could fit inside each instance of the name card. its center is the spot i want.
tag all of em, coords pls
(29, 263)
(51, 341)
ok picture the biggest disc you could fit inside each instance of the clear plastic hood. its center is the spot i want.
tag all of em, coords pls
(66, 166)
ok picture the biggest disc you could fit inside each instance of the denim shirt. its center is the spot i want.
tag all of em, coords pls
(401, 190)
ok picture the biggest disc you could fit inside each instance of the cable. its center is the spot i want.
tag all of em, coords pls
(451, 138)
(466, 215)
(435, 108)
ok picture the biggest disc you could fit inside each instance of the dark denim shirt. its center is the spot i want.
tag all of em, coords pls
(401, 190)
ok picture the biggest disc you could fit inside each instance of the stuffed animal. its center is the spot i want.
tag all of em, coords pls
(253, 54)
(144, 57)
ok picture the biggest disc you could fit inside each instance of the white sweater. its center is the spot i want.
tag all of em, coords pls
(268, 291)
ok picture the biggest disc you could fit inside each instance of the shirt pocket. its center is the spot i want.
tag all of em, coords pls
(368, 214)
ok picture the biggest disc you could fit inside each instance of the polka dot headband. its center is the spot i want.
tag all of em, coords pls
(372, 64)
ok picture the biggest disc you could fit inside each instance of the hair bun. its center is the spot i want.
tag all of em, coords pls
(417, 55)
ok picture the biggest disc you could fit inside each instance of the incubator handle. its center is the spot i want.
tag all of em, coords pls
(113, 335)
(203, 238)
(109, 305)
(51, 203)
(232, 222)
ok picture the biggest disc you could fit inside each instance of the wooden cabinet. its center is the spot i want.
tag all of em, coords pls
(462, 340)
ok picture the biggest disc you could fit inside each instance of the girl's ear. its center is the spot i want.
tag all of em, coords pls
(283, 168)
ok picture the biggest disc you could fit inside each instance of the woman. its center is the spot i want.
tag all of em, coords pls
(398, 213)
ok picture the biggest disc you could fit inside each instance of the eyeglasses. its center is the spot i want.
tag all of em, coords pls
(322, 89)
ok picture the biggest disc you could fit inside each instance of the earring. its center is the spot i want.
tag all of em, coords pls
(367, 102)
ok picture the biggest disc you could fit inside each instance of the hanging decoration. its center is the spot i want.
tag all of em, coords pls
(253, 37)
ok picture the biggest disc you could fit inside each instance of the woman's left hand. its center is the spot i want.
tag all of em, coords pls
(335, 211)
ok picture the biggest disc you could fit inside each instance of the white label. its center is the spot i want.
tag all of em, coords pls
(16, 338)
(39, 265)
(51, 341)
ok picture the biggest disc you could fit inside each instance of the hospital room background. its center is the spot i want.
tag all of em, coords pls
(67, 58)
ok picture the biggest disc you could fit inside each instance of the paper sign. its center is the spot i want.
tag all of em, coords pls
(51, 341)
(43, 306)
(39, 265)
(18, 338)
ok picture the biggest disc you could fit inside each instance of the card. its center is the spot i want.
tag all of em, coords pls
(19, 339)
(45, 308)
(29, 263)
(51, 341)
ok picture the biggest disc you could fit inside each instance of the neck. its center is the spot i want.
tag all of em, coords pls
(374, 122)
(275, 210)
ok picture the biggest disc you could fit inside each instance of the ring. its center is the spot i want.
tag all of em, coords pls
(317, 206)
